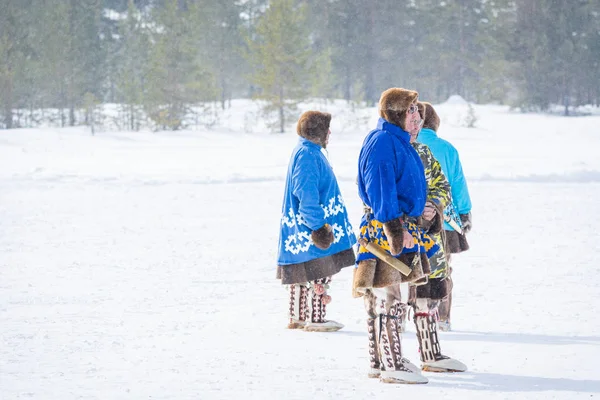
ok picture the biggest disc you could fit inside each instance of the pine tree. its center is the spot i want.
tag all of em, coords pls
(177, 77)
(132, 58)
(15, 49)
(320, 22)
(497, 22)
(72, 54)
(279, 55)
(352, 47)
(220, 41)
(589, 81)
(552, 50)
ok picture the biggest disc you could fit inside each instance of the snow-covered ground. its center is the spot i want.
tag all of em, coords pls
(138, 265)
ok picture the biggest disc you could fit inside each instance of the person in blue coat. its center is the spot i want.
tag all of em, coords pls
(392, 186)
(316, 237)
(460, 207)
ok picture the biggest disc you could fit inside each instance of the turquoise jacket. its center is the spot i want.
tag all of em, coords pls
(448, 157)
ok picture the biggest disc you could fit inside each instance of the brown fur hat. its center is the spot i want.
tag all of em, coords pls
(422, 110)
(393, 104)
(432, 120)
(314, 125)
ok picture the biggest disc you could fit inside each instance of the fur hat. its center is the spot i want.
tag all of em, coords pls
(422, 110)
(393, 104)
(314, 126)
(432, 120)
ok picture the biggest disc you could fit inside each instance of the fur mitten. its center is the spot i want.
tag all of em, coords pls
(322, 237)
(466, 222)
(395, 235)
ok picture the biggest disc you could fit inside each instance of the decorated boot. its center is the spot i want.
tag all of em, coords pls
(402, 316)
(394, 367)
(444, 314)
(406, 307)
(374, 357)
(429, 345)
(318, 304)
(375, 366)
(444, 326)
(298, 306)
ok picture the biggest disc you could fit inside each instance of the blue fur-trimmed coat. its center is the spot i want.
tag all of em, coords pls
(312, 198)
(391, 178)
(391, 181)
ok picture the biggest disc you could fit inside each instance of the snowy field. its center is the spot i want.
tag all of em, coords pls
(139, 265)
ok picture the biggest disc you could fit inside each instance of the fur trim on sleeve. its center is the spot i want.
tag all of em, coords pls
(322, 237)
(395, 235)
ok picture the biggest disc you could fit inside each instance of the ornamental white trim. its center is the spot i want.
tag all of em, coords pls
(338, 233)
(292, 219)
(298, 243)
(333, 208)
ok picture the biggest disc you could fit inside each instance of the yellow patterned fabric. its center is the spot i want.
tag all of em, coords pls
(438, 263)
(438, 192)
(372, 230)
(438, 187)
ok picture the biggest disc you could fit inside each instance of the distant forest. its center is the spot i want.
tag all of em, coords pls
(161, 60)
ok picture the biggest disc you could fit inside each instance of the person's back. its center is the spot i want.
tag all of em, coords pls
(315, 234)
(448, 157)
(388, 151)
(391, 184)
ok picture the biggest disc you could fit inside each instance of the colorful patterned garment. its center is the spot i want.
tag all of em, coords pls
(438, 192)
(372, 230)
(438, 262)
(391, 183)
(438, 187)
(451, 216)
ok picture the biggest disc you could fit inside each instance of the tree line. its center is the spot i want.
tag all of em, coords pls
(166, 61)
